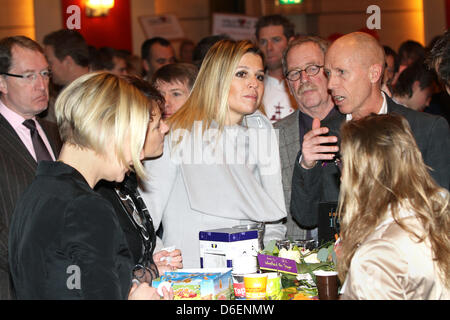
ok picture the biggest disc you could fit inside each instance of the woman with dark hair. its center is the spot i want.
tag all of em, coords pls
(133, 215)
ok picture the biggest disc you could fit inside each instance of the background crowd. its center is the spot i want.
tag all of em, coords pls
(95, 175)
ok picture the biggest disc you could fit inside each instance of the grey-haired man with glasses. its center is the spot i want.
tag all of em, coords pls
(303, 62)
(354, 66)
(24, 140)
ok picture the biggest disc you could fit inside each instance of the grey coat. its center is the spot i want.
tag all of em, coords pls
(289, 144)
(191, 197)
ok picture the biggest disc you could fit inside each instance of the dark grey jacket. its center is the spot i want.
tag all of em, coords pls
(321, 183)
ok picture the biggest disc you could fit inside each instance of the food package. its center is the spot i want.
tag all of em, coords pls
(199, 284)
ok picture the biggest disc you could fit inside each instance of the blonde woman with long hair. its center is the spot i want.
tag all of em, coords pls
(66, 241)
(394, 217)
(221, 165)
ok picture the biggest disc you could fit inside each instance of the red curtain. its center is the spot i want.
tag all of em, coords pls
(447, 10)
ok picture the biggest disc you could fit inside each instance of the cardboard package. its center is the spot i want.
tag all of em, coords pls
(199, 284)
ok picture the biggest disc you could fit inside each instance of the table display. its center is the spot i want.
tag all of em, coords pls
(297, 261)
(286, 271)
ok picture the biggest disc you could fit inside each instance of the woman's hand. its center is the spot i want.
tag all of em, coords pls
(168, 261)
(144, 291)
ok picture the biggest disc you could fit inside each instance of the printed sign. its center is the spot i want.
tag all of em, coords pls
(237, 27)
(328, 223)
(166, 26)
(273, 263)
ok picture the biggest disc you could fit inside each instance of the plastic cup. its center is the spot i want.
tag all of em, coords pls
(255, 286)
(327, 284)
(286, 244)
(307, 244)
(243, 264)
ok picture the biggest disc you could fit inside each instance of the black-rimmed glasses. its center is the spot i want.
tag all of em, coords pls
(296, 74)
(30, 76)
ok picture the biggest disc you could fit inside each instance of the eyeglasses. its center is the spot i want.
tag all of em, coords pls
(296, 74)
(31, 76)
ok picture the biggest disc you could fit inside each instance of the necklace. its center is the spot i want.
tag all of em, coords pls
(137, 216)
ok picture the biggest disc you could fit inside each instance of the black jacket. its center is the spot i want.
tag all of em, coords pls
(66, 241)
(321, 183)
(17, 170)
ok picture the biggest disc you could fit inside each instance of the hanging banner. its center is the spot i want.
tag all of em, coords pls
(165, 26)
(237, 27)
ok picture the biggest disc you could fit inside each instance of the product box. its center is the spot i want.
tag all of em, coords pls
(199, 284)
(218, 247)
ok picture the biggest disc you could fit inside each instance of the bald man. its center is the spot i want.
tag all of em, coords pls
(354, 65)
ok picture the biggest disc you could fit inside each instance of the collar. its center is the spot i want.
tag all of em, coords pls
(272, 80)
(59, 168)
(130, 182)
(383, 109)
(307, 119)
(14, 119)
(403, 213)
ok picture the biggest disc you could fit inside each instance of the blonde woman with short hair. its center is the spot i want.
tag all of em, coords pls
(394, 218)
(221, 165)
(66, 241)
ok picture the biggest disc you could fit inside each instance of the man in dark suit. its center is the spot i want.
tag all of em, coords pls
(303, 62)
(24, 139)
(354, 65)
(67, 53)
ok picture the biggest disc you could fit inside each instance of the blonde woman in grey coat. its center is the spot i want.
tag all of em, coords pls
(220, 165)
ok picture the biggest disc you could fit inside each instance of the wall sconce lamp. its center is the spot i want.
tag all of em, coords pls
(98, 8)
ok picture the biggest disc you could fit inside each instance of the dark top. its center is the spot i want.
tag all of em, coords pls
(440, 105)
(66, 241)
(320, 184)
(305, 123)
(107, 190)
(135, 220)
(17, 171)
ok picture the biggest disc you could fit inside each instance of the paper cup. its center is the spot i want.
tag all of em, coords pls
(255, 286)
(273, 288)
(327, 284)
(238, 286)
